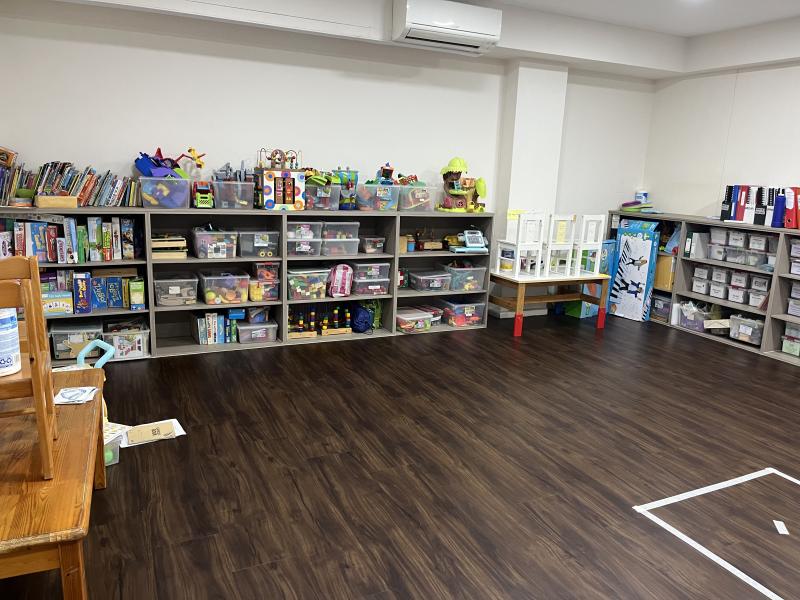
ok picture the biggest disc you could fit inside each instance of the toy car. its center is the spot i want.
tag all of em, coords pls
(203, 196)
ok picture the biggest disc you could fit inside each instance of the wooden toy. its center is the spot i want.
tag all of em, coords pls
(283, 185)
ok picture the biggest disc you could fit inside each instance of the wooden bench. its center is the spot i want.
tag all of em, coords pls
(43, 522)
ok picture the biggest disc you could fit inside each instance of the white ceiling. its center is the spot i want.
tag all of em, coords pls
(678, 17)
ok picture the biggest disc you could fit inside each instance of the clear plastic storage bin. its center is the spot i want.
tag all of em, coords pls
(370, 270)
(462, 314)
(660, 308)
(128, 344)
(758, 299)
(700, 286)
(755, 258)
(267, 271)
(175, 288)
(417, 198)
(224, 287)
(340, 230)
(793, 330)
(214, 244)
(794, 291)
(322, 197)
(693, 316)
(372, 244)
(700, 272)
(303, 247)
(340, 247)
(68, 340)
(794, 248)
(737, 256)
(374, 287)
(411, 320)
(740, 279)
(737, 239)
(794, 307)
(739, 295)
(164, 192)
(304, 230)
(794, 268)
(758, 242)
(307, 284)
(720, 275)
(233, 195)
(377, 197)
(434, 281)
(790, 345)
(746, 330)
(716, 252)
(718, 290)
(264, 291)
(253, 333)
(466, 279)
(719, 235)
(760, 283)
(259, 244)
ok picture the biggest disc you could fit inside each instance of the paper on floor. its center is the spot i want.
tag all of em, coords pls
(78, 395)
(781, 527)
(179, 431)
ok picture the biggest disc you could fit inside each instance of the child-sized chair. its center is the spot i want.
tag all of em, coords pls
(560, 242)
(30, 390)
(526, 248)
(589, 245)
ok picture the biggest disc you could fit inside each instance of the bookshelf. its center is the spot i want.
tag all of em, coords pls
(169, 325)
(774, 315)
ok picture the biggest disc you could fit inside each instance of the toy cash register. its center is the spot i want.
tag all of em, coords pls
(474, 243)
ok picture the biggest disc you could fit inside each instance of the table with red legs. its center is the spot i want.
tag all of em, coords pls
(522, 282)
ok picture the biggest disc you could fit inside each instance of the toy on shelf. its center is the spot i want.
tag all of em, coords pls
(312, 320)
(202, 194)
(348, 180)
(164, 184)
(465, 276)
(461, 194)
(323, 190)
(282, 181)
(306, 284)
(224, 287)
(340, 281)
(211, 242)
(234, 189)
(194, 156)
(175, 288)
(381, 193)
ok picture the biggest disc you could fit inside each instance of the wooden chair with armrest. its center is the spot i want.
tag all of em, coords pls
(31, 389)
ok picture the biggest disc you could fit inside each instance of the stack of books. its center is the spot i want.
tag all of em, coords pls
(169, 246)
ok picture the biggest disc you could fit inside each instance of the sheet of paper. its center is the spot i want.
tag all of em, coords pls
(113, 430)
(781, 527)
(77, 395)
(179, 431)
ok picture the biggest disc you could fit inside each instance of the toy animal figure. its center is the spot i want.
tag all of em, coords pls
(461, 194)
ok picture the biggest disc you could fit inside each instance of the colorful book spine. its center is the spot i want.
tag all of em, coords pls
(116, 239)
(82, 294)
(19, 238)
(61, 250)
(94, 225)
(136, 290)
(114, 292)
(83, 244)
(107, 251)
(127, 236)
(99, 293)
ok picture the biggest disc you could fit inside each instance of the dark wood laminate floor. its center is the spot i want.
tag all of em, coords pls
(507, 470)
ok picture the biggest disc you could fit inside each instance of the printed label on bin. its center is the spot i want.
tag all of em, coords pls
(436, 283)
(217, 250)
(258, 333)
(261, 239)
(745, 330)
(383, 192)
(469, 310)
(174, 290)
(303, 247)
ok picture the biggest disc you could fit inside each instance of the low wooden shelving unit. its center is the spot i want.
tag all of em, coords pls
(169, 325)
(774, 315)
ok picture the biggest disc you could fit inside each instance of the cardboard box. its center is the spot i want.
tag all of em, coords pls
(665, 273)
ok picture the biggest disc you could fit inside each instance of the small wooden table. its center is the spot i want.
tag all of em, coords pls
(522, 282)
(43, 523)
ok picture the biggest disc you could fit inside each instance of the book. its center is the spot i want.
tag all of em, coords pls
(114, 292)
(83, 244)
(61, 250)
(94, 225)
(70, 235)
(82, 295)
(99, 293)
(6, 244)
(107, 234)
(136, 292)
(116, 239)
(52, 251)
(126, 226)
(19, 238)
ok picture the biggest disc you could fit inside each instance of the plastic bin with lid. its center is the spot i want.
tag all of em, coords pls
(259, 244)
(377, 197)
(264, 290)
(68, 339)
(737, 239)
(129, 343)
(372, 244)
(233, 195)
(224, 287)
(214, 244)
(465, 278)
(304, 230)
(462, 313)
(716, 252)
(435, 311)
(306, 284)
(340, 230)
(794, 291)
(760, 283)
(758, 242)
(175, 288)
(700, 272)
(340, 247)
(700, 286)
(322, 197)
(790, 345)
(754, 258)
(375, 270)
(720, 275)
(740, 279)
(253, 333)
(758, 299)
(303, 247)
(719, 235)
(793, 307)
(718, 290)
(792, 330)
(434, 281)
(374, 287)
(693, 316)
(746, 330)
(794, 268)
(737, 256)
(410, 320)
(739, 295)
(419, 198)
(267, 271)
(794, 248)
(660, 308)
(164, 192)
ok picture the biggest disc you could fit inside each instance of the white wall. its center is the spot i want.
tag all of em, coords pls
(716, 130)
(99, 90)
(606, 131)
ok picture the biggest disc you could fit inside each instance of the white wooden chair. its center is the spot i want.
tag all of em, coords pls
(525, 244)
(589, 244)
(560, 245)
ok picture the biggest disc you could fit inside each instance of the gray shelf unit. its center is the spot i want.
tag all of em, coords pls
(774, 316)
(169, 325)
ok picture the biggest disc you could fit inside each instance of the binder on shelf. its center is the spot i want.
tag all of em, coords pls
(790, 218)
(760, 212)
(779, 211)
(725, 210)
(750, 204)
